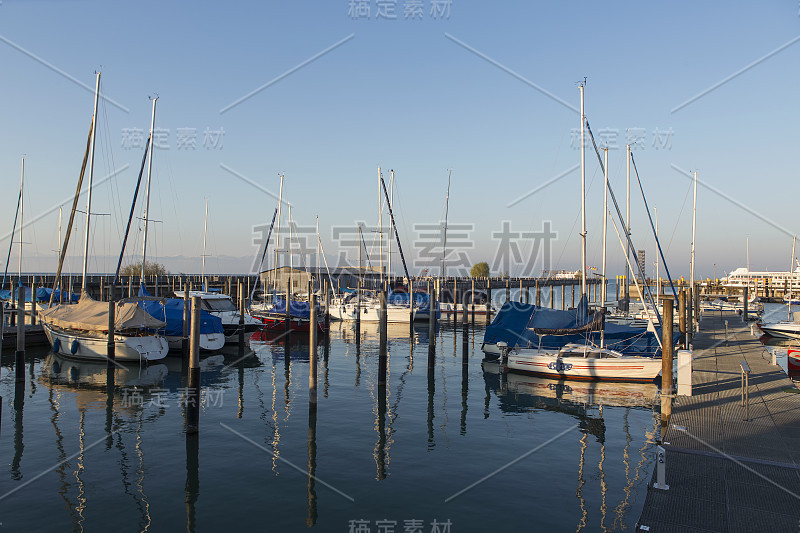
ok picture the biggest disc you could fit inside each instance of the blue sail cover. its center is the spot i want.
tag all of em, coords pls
(296, 309)
(422, 300)
(172, 314)
(522, 325)
(42, 295)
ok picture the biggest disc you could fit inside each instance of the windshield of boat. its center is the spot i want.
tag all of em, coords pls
(218, 304)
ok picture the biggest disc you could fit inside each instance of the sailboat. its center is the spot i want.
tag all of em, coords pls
(582, 361)
(211, 337)
(81, 330)
(787, 329)
(220, 305)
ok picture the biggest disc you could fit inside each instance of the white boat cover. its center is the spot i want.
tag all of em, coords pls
(91, 315)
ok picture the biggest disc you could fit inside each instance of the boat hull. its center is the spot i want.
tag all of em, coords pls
(279, 323)
(209, 342)
(372, 313)
(94, 348)
(788, 330)
(544, 363)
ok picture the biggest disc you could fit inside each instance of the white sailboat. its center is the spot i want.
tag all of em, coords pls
(786, 329)
(221, 305)
(81, 330)
(208, 341)
(582, 361)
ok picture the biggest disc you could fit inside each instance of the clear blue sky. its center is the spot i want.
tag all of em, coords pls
(403, 95)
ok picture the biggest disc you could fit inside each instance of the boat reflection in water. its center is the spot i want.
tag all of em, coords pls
(588, 402)
(94, 387)
(90, 375)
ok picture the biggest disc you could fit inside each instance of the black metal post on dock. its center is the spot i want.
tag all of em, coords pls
(193, 390)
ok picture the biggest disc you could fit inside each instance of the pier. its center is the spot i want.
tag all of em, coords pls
(731, 465)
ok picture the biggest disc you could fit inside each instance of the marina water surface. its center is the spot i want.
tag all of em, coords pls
(459, 447)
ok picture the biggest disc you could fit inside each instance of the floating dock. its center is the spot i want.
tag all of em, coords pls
(727, 468)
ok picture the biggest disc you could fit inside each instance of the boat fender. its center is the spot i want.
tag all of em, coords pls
(74, 347)
(56, 345)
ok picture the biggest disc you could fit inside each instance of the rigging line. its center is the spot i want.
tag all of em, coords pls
(541, 198)
(661, 253)
(114, 183)
(369, 263)
(11, 242)
(133, 207)
(261, 263)
(171, 181)
(675, 229)
(622, 222)
(396, 235)
(72, 213)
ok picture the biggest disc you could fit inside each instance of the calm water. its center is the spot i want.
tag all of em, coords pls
(75, 460)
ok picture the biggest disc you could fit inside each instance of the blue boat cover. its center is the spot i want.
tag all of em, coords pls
(296, 309)
(172, 314)
(523, 325)
(42, 295)
(422, 300)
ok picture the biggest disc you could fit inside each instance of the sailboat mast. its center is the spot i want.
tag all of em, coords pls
(205, 232)
(628, 271)
(147, 191)
(59, 231)
(277, 238)
(291, 260)
(605, 228)
(791, 276)
(21, 218)
(444, 236)
(391, 201)
(380, 226)
(583, 197)
(89, 189)
(658, 277)
(694, 220)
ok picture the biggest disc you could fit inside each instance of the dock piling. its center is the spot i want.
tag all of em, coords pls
(111, 348)
(19, 365)
(383, 337)
(185, 340)
(682, 316)
(666, 360)
(312, 355)
(193, 390)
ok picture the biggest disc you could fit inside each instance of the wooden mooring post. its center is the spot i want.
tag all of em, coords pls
(111, 347)
(666, 361)
(186, 315)
(312, 355)
(193, 390)
(19, 364)
(682, 316)
(488, 301)
(382, 350)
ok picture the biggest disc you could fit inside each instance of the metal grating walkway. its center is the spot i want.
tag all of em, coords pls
(725, 473)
